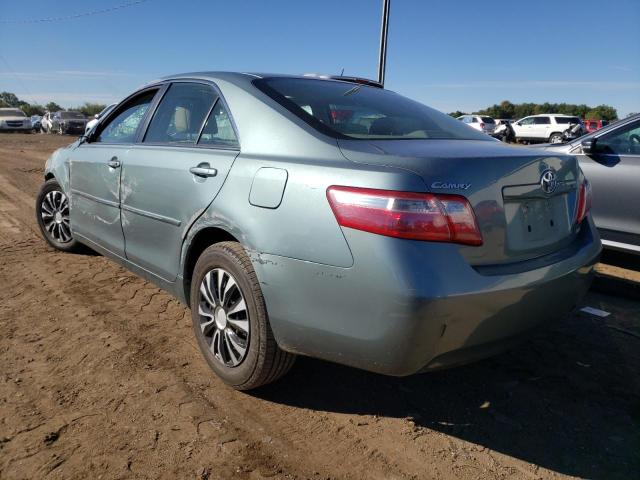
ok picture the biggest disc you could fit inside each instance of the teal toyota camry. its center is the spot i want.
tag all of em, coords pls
(327, 217)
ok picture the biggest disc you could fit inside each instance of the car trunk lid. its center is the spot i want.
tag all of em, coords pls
(520, 215)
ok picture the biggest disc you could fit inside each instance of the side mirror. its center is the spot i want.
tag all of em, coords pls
(588, 146)
(95, 116)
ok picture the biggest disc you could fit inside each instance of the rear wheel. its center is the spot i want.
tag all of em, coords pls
(230, 319)
(52, 212)
(555, 138)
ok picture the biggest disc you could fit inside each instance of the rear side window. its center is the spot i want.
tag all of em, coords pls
(181, 113)
(218, 130)
(124, 126)
(567, 120)
(541, 120)
(347, 110)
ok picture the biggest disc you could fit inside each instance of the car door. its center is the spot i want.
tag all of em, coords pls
(174, 173)
(613, 168)
(523, 128)
(95, 168)
(541, 128)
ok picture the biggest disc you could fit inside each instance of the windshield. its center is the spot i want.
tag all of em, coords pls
(68, 115)
(13, 112)
(488, 120)
(348, 110)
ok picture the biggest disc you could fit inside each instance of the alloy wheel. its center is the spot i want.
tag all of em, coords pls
(54, 210)
(224, 317)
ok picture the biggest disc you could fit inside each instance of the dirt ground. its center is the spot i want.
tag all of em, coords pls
(100, 377)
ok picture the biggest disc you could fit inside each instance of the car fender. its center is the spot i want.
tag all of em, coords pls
(57, 166)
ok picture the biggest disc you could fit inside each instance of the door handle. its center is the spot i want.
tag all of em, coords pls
(114, 162)
(204, 170)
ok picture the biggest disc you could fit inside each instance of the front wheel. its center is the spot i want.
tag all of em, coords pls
(230, 319)
(52, 214)
(555, 138)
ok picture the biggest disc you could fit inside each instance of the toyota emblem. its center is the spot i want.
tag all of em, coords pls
(548, 181)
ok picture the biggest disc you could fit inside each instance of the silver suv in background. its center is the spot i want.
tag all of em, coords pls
(14, 120)
(610, 159)
(544, 128)
(481, 123)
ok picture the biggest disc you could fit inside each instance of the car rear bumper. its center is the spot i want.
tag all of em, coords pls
(403, 308)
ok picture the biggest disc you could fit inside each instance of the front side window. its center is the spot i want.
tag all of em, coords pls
(124, 126)
(541, 120)
(218, 130)
(347, 110)
(624, 141)
(71, 115)
(526, 121)
(181, 113)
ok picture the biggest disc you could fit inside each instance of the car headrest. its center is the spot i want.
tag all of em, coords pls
(382, 126)
(181, 119)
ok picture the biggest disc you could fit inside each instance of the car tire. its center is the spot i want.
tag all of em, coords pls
(52, 215)
(233, 332)
(555, 138)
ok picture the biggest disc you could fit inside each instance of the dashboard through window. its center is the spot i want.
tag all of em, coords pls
(348, 110)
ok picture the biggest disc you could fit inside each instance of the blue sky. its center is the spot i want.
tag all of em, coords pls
(454, 54)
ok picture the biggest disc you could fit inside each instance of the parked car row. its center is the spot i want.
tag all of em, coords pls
(542, 128)
(61, 122)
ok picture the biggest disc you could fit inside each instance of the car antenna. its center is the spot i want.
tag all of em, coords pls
(342, 73)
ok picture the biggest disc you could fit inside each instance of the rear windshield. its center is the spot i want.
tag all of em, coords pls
(567, 120)
(488, 120)
(68, 115)
(12, 113)
(347, 110)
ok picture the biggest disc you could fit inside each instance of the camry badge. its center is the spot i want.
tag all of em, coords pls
(451, 186)
(548, 181)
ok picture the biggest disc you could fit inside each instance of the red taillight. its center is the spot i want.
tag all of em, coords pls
(416, 216)
(482, 126)
(584, 200)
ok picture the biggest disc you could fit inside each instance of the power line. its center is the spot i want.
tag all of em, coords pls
(73, 16)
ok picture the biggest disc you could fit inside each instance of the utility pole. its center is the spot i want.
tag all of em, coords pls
(384, 32)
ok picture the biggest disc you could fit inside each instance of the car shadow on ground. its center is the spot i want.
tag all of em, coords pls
(567, 400)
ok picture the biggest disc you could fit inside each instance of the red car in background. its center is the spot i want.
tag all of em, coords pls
(593, 125)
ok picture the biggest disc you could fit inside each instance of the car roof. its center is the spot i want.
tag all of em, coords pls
(552, 115)
(245, 78)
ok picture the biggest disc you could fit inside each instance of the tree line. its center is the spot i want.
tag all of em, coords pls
(8, 99)
(506, 109)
